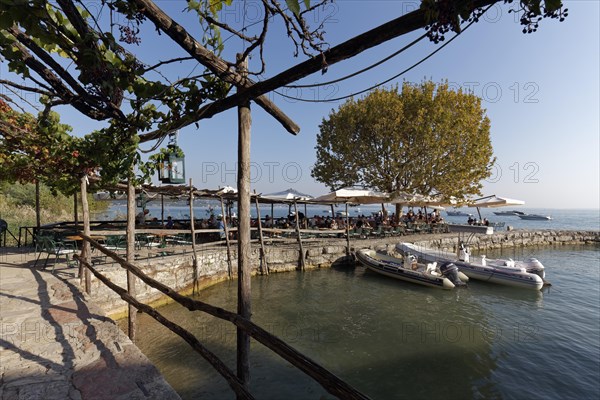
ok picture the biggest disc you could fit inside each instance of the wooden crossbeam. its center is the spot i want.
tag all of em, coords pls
(376, 36)
(205, 57)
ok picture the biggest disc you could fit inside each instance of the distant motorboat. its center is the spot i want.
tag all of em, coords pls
(528, 274)
(445, 277)
(536, 217)
(512, 212)
(457, 213)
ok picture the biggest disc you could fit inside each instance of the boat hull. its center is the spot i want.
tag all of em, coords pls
(531, 217)
(493, 273)
(509, 213)
(457, 213)
(393, 268)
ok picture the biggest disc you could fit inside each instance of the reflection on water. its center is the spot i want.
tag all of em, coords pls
(391, 339)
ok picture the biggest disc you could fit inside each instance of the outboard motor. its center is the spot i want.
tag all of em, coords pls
(535, 267)
(450, 271)
(410, 261)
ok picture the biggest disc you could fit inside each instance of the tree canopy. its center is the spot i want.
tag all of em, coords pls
(70, 55)
(422, 139)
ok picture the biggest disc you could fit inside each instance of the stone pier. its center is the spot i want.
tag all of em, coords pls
(56, 344)
(176, 270)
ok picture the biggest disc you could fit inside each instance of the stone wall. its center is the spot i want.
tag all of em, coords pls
(177, 272)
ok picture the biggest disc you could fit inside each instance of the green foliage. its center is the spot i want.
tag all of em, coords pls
(155, 161)
(443, 16)
(425, 139)
(40, 148)
(17, 206)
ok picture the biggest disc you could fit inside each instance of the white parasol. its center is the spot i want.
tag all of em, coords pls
(494, 201)
(354, 195)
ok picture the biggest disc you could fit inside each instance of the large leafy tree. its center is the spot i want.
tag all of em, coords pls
(422, 139)
(42, 149)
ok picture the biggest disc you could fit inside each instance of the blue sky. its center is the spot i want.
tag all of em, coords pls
(540, 90)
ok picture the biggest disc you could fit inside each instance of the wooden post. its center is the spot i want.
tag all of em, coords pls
(227, 242)
(302, 259)
(85, 252)
(305, 217)
(75, 214)
(196, 272)
(38, 222)
(131, 310)
(162, 210)
(244, 266)
(347, 231)
(263, 254)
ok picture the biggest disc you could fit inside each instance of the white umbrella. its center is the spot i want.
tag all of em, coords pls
(494, 201)
(289, 194)
(226, 190)
(354, 195)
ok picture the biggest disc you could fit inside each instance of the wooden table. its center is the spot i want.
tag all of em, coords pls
(77, 238)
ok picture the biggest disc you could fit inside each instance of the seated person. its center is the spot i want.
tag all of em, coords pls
(170, 223)
(334, 224)
(140, 219)
(268, 221)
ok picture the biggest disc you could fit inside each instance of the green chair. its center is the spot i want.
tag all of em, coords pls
(47, 244)
(377, 232)
(147, 241)
(398, 231)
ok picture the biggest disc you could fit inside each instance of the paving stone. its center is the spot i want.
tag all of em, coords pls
(58, 345)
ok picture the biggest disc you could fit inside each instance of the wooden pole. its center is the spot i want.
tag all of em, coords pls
(244, 266)
(263, 254)
(162, 209)
(75, 215)
(302, 259)
(305, 217)
(186, 335)
(227, 242)
(347, 231)
(131, 310)
(38, 222)
(85, 251)
(196, 271)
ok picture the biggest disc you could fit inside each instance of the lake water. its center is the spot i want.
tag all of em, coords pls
(392, 340)
(572, 219)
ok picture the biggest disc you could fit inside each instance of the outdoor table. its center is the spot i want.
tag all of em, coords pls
(162, 237)
(77, 238)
